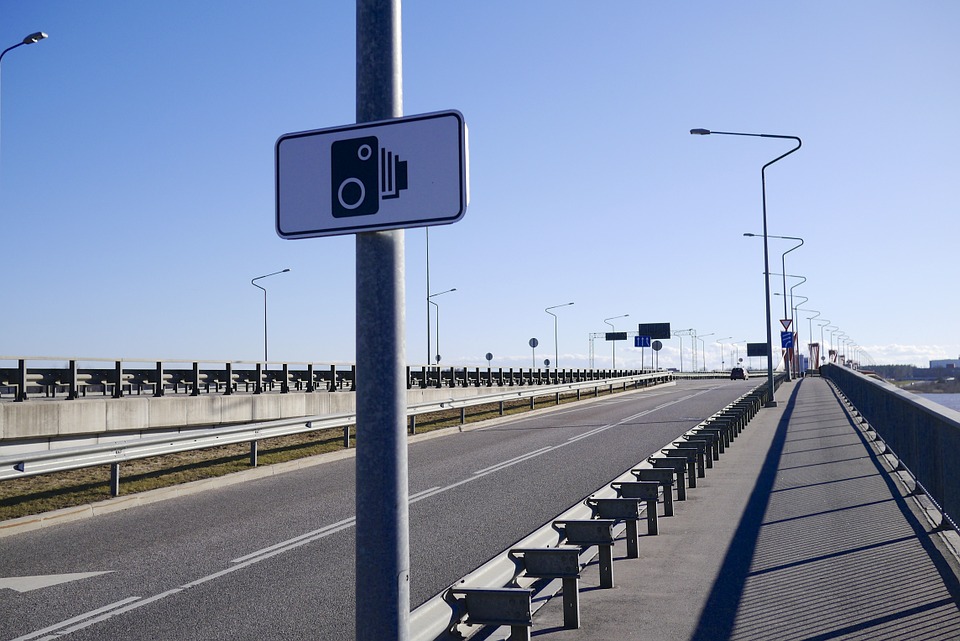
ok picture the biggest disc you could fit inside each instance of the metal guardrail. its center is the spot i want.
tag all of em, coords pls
(922, 435)
(45, 376)
(441, 618)
(70, 458)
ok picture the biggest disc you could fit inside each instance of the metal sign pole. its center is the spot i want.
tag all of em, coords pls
(382, 532)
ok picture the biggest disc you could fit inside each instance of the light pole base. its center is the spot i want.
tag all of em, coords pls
(771, 404)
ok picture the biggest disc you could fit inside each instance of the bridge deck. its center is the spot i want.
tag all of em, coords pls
(799, 532)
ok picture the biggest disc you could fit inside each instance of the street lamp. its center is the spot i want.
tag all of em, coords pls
(783, 264)
(29, 40)
(556, 350)
(766, 255)
(430, 301)
(703, 351)
(612, 329)
(254, 283)
(680, 333)
(723, 363)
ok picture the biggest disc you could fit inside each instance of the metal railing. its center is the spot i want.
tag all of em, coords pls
(69, 458)
(922, 435)
(72, 378)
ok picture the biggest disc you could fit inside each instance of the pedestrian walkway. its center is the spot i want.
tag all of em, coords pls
(798, 532)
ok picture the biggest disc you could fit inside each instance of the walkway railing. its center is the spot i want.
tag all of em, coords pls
(922, 435)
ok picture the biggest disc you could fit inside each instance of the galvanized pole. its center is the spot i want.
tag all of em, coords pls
(382, 532)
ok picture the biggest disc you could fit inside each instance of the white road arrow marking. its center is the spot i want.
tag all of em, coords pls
(28, 583)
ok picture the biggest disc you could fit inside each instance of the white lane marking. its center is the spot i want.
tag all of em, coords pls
(416, 496)
(303, 539)
(516, 459)
(107, 615)
(28, 583)
(314, 535)
(81, 617)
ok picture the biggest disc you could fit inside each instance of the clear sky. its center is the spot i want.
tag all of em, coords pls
(137, 175)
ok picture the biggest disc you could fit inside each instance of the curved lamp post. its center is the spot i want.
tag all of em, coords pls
(613, 329)
(254, 283)
(723, 363)
(703, 350)
(783, 270)
(430, 301)
(556, 350)
(766, 254)
(29, 40)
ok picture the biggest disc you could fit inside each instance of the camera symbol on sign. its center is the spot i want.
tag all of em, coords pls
(362, 174)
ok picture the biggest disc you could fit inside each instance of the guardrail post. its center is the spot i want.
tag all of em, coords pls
(195, 379)
(73, 392)
(118, 374)
(254, 450)
(21, 380)
(413, 423)
(158, 386)
(463, 415)
(229, 368)
(346, 437)
(501, 408)
(114, 479)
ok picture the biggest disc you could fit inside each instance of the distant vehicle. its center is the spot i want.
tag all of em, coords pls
(738, 373)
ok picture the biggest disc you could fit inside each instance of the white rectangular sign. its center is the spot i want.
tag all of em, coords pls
(405, 172)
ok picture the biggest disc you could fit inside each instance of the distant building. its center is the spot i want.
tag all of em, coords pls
(945, 364)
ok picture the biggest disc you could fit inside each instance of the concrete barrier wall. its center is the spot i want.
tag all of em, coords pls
(58, 419)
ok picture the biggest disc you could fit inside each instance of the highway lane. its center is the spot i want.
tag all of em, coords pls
(273, 558)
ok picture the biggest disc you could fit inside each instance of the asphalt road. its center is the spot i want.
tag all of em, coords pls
(274, 558)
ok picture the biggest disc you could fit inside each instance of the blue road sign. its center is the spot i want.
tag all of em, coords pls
(786, 340)
(641, 341)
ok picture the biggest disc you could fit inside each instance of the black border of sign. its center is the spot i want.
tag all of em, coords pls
(355, 229)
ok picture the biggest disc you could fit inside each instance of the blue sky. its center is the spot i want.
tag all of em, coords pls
(137, 175)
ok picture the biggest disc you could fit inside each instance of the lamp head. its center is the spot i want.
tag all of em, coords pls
(34, 37)
(749, 234)
(285, 270)
(700, 132)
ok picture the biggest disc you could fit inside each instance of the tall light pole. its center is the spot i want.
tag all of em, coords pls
(680, 333)
(703, 351)
(29, 40)
(254, 283)
(810, 332)
(613, 329)
(556, 350)
(430, 302)
(723, 363)
(783, 270)
(766, 254)
(823, 343)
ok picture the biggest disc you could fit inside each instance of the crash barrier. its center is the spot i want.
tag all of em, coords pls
(923, 436)
(503, 591)
(73, 378)
(29, 463)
